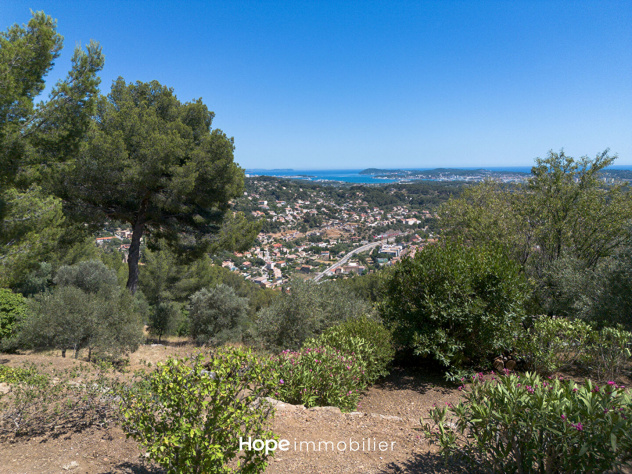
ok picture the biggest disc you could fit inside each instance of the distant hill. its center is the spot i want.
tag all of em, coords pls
(437, 172)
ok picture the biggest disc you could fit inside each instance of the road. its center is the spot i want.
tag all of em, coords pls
(346, 258)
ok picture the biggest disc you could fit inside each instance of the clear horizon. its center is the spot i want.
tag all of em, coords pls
(354, 85)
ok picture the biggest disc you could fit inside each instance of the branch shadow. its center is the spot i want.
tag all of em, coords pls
(426, 463)
(135, 468)
(419, 380)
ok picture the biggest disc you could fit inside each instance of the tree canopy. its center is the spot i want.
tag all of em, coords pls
(38, 140)
(155, 163)
(565, 213)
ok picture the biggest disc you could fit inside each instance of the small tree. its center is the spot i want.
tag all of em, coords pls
(164, 318)
(217, 315)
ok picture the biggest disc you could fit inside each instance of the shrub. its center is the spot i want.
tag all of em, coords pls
(190, 414)
(529, 424)
(62, 401)
(608, 352)
(12, 307)
(553, 344)
(217, 315)
(306, 312)
(456, 304)
(365, 338)
(164, 318)
(319, 376)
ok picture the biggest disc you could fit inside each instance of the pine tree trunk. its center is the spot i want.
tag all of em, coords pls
(134, 248)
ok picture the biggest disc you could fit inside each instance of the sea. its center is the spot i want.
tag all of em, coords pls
(354, 176)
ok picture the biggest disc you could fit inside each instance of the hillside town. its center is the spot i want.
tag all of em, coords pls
(319, 232)
(312, 230)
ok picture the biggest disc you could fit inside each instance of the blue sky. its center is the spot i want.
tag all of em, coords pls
(388, 84)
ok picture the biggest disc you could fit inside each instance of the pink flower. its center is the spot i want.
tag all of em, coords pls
(610, 382)
(579, 427)
(281, 382)
(563, 417)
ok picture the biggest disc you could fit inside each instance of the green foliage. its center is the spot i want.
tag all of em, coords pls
(319, 376)
(165, 318)
(30, 230)
(613, 302)
(167, 278)
(12, 308)
(86, 310)
(17, 375)
(38, 280)
(156, 164)
(553, 344)
(364, 338)
(52, 130)
(564, 212)
(454, 303)
(217, 315)
(190, 414)
(305, 312)
(369, 287)
(529, 424)
(608, 352)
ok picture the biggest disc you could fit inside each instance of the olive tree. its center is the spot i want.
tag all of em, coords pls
(86, 309)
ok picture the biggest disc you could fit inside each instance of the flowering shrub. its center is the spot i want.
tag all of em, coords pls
(531, 424)
(319, 376)
(364, 337)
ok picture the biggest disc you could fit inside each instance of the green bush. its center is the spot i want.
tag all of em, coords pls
(365, 338)
(164, 318)
(306, 312)
(319, 376)
(12, 307)
(191, 413)
(454, 303)
(217, 315)
(608, 352)
(553, 344)
(529, 424)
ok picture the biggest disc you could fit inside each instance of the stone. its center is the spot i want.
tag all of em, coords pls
(70, 466)
(511, 364)
(499, 365)
(4, 388)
